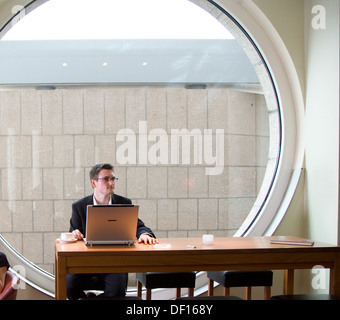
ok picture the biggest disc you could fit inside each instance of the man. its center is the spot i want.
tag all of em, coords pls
(102, 179)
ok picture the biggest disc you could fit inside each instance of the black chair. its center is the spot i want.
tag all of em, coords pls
(154, 280)
(102, 297)
(304, 297)
(210, 298)
(248, 279)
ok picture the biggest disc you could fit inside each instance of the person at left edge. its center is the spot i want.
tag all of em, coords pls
(4, 265)
(102, 179)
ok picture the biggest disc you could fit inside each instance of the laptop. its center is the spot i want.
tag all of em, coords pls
(111, 224)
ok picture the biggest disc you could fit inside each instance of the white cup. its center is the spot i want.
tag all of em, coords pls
(66, 236)
(208, 239)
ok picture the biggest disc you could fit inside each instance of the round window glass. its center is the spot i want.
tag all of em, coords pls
(182, 104)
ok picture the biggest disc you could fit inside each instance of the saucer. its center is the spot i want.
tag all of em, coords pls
(67, 241)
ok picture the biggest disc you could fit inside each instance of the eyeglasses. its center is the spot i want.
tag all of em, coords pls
(107, 179)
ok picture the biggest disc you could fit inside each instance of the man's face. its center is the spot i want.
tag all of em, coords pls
(104, 184)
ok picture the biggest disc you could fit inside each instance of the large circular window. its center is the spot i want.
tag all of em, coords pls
(183, 105)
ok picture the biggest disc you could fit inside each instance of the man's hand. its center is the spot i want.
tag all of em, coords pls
(77, 234)
(147, 239)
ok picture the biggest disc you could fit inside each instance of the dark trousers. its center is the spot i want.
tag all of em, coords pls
(113, 284)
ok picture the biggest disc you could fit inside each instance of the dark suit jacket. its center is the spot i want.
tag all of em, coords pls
(78, 219)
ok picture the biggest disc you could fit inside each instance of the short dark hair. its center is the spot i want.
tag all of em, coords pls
(94, 173)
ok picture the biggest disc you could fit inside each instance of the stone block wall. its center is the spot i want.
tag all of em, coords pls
(49, 140)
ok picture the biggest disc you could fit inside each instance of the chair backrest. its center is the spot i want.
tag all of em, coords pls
(11, 287)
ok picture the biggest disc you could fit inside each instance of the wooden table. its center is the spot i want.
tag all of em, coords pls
(249, 253)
